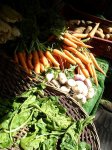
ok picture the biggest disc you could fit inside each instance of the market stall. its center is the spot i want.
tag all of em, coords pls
(56, 62)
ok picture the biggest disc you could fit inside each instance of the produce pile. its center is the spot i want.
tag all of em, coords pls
(39, 122)
(60, 50)
(87, 26)
(59, 57)
(8, 28)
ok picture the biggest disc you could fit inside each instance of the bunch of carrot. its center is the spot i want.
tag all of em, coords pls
(36, 60)
(74, 54)
(73, 51)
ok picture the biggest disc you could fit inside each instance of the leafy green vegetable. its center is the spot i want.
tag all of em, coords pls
(71, 139)
(47, 122)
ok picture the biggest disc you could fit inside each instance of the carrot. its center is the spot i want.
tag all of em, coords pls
(51, 58)
(61, 61)
(36, 61)
(78, 54)
(96, 64)
(93, 31)
(43, 59)
(29, 61)
(69, 42)
(84, 70)
(22, 61)
(16, 58)
(80, 35)
(79, 42)
(42, 69)
(89, 68)
(94, 75)
(70, 37)
(70, 55)
(64, 56)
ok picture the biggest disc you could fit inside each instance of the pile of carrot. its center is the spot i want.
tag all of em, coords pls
(70, 54)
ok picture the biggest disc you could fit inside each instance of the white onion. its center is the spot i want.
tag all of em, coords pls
(62, 78)
(49, 76)
(79, 87)
(91, 93)
(79, 77)
(65, 89)
(80, 98)
(71, 82)
(88, 83)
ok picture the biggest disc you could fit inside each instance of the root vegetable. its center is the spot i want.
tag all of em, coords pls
(91, 93)
(56, 83)
(107, 29)
(62, 78)
(99, 34)
(93, 31)
(88, 29)
(73, 22)
(71, 82)
(65, 89)
(79, 77)
(49, 76)
(88, 83)
(80, 97)
(89, 22)
(79, 87)
(100, 29)
(79, 30)
(83, 22)
(107, 36)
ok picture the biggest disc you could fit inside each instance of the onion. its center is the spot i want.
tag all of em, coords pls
(79, 87)
(88, 83)
(65, 89)
(71, 82)
(79, 77)
(62, 78)
(79, 97)
(49, 76)
(91, 93)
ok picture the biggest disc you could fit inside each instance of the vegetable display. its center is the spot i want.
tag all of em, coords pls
(8, 28)
(40, 123)
(90, 29)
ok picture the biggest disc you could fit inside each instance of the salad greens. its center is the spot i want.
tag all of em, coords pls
(46, 121)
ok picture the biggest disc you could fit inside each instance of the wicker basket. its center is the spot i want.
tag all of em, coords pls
(14, 81)
(76, 112)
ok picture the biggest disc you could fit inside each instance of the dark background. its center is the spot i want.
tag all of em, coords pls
(95, 7)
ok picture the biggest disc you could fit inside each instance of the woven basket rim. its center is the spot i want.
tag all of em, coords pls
(81, 108)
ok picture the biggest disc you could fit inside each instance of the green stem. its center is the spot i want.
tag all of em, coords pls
(16, 129)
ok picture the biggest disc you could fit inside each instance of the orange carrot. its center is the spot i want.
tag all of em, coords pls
(78, 54)
(89, 68)
(43, 59)
(70, 55)
(92, 33)
(80, 35)
(70, 37)
(36, 61)
(51, 58)
(42, 69)
(96, 64)
(64, 56)
(69, 42)
(22, 61)
(83, 69)
(29, 61)
(60, 61)
(94, 75)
